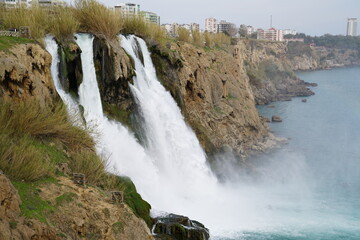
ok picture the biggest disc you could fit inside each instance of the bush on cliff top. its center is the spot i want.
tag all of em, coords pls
(97, 18)
(149, 31)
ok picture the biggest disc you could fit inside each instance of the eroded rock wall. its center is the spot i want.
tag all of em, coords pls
(214, 94)
(25, 74)
(270, 74)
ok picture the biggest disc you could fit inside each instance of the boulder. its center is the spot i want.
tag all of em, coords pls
(276, 118)
(304, 100)
(176, 227)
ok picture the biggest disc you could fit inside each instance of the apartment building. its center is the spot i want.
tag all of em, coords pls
(289, 32)
(211, 25)
(151, 17)
(14, 3)
(128, 9)
(271, 34)
(227, 28)
(195, 27)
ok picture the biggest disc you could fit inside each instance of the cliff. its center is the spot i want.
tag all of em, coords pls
(302, 57)
(25, 74)
(215, 96)
(270, 74)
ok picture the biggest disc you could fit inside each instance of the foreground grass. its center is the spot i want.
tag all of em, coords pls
(8, 42)
(34, 140)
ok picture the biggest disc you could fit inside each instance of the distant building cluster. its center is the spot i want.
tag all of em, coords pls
(351, 27)
(28, 3)
(213, 26)
(133, 10)
(172, 28)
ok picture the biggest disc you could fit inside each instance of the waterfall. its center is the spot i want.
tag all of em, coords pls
(170, 141)
(71, 104)
(170, 171)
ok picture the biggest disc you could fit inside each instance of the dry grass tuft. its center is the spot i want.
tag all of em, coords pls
(21, 160)
(149, 31)
(63, 24)
(97, 19)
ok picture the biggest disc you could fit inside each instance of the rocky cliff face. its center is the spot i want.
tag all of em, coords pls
(25, 74)
(306, 58)
(271, 76)
(214, 94)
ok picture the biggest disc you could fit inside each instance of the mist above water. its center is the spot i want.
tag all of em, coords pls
(170, 170)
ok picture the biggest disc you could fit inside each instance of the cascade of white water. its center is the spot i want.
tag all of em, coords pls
(170, 141)
(71, 104)
(114, 141)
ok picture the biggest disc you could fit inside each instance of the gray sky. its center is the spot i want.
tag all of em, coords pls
(314, 17)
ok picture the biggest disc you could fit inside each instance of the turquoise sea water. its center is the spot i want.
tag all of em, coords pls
(323, 156)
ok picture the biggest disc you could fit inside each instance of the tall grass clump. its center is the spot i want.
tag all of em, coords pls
(25, 132)
(21, 160)
(63, 24)
(221, 39)
(97, 18)
(44, 123)
(88, 163)
(36, 18)
(197, 38)
(147, 30)
(184, 35)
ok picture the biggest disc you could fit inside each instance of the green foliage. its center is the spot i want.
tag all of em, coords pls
(118, 227)
(65, 198)
(113, 112)
(133, 199)
(330, 41)
(13, 224)
(32, 205)
(8, 42)
(298, 49)
(20, 159)
(25, 131)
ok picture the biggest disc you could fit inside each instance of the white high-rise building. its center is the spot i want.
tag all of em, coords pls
(128, 9)
(289, 32)
(211, 25)
(151, 17)
(352, 27)
(14, 3)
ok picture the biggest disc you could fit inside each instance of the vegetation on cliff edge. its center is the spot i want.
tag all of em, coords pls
(35, 140)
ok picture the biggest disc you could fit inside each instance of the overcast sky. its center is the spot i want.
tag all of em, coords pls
(314, 17)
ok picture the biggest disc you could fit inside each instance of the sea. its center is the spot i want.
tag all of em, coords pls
(321, 159)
